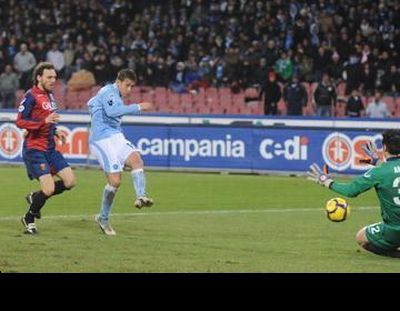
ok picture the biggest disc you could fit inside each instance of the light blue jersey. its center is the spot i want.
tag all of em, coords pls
(106, 109)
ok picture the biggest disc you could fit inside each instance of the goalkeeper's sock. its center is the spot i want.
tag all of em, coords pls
(139, 182)
(107, 201)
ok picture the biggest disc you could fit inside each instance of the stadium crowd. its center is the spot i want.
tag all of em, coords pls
(186, 45)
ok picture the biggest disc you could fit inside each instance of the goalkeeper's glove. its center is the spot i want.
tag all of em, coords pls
(319, 176)
(372, 154)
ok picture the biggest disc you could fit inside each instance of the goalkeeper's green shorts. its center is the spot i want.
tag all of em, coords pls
(383, 236)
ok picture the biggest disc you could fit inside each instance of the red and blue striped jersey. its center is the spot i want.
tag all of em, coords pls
(32, 112)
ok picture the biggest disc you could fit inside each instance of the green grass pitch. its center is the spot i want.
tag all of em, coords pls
(200, 223)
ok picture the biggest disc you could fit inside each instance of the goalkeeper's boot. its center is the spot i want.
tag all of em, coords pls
(143, 202)
(29, 199)
(104, 226)
(28, 220)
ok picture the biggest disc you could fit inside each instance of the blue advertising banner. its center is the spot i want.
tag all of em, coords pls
(247, 149)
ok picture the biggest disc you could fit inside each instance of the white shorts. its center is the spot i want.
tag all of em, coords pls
(112, 152)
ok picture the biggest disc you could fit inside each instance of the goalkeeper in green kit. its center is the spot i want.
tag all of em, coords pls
(381, 238)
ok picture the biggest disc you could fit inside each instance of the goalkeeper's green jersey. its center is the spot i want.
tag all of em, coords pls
(386, 181)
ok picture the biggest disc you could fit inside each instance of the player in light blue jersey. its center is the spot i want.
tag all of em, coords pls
(111, 148)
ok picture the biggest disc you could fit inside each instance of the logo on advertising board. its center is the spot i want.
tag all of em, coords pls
(224, 147)
(76, 146)
(291, 149)
(341, 152)
(10, 141)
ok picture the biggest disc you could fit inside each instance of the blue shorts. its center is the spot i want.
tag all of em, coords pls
(40, 163)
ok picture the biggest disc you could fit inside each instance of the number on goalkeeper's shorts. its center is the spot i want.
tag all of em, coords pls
(375, 229)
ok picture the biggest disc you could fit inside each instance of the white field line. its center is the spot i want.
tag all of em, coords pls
(211, 212)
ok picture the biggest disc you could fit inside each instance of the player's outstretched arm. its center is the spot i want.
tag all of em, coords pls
(115, 107)
(316, 174)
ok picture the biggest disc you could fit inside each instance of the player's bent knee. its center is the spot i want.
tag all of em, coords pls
(114, 181)
(70, 183)
(48, 191)
(135, 161)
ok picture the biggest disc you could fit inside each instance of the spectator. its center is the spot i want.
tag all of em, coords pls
(377, 108)
(354, 107)
(272, 94)
(69, 58)
(390, 81)
(9, 84)
(295, 97)
(178, 84)
(321, 62)
(24, 62)
(56, 57)
(40, 52)
(306, 68)
(284, 67)
(352, 73)
(368, 78)
(335, 68)
(324, 97)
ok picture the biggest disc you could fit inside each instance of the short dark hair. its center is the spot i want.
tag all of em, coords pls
(391, 139)
(39, 69)
(124, 74)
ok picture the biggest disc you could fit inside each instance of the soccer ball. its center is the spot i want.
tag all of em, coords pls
(337, 209)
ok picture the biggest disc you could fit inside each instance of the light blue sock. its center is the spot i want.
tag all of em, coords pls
(107, 202)
(139, 182)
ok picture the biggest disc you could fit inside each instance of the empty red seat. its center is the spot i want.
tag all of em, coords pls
(186, 100)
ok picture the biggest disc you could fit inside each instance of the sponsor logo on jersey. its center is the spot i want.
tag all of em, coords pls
(49, 106)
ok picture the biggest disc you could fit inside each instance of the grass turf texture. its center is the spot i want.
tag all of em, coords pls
(200, 223)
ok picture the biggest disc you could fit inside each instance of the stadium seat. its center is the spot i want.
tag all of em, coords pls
(238, 99)
(282, 109)
(72, 100)
(186, 100)
(84, 96)
(251, 93)
(397, 105)
(225, 93)
(173, 100)
(212, 99)
(160, 91)
(211, 91)
(147, 97)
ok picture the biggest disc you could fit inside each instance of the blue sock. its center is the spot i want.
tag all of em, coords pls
(139, 182)
(107, 202)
